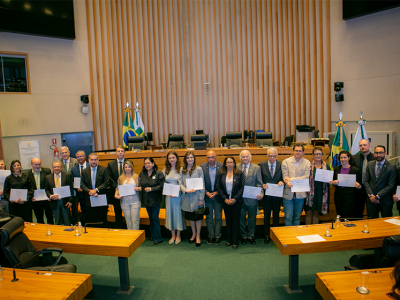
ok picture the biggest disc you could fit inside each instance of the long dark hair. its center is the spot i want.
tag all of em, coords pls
(155, 168)
(396, 276)
(185, 164)
(13, 162)
(168, 165)
(225, 170)
(348, 155)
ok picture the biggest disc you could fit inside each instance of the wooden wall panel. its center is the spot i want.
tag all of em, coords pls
(264, 61)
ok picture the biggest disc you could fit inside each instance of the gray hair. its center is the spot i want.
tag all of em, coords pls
(80, 151)
(64, 147)
(244, 151)
(57, 162)
(272, 149)
(93, 154)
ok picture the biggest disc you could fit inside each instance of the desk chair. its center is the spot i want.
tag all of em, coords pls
(135, 142)
(175, 141)
(265, 138)
(18, 248)
(234, 139)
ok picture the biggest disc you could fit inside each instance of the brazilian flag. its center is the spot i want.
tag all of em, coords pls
(127, 128)
(339, 143)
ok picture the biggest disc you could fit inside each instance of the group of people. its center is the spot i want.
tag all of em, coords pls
(223, 187)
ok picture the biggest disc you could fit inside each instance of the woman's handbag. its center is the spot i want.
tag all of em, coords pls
(202, 210)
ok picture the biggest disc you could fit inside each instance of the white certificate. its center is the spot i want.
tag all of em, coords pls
(251, 192)
(40, 195)
(274, 190)
(77, 182)
(126, 189)
(397, 192)
(62, 192)
(19, 193)
(100, 200)
(311, 238)
(194, 184)
(171, 189)
(347, 180)
(300, 185)
(3, 175)
(323, 175)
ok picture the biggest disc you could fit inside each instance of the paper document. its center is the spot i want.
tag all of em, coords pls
(311, 238)
(348, 180)
(274, 190)
(171, 189)
(127, 190)
(300, 185)
(40, 195)
(77, 182)
(393, 221)
(19, 193)
(3, 175)
(251, 192)
(194, 184)
(323, 175)
(397, 191)
(62, 192)
(101, 200)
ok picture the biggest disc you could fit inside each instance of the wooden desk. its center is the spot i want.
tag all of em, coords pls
(30, 285)
(342, 285)
(343, 238)
(98, 241)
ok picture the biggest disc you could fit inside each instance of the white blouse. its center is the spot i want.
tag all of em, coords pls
(229, 184)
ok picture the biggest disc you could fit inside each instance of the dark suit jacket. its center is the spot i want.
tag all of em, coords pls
(207, 181)
(398, 183)
(267, 178)
(43, 181)
(237, 187)
(358, 160)
(50, 184)
(383, 185)
(72, 163)
(102, 181)
(75, 172)
(112, 168)
(349, 191)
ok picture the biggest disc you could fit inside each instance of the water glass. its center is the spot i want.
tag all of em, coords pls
(363, 283)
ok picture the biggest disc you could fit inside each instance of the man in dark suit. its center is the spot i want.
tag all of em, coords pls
(95, 182)
(37, 175)
(59, 205)
(67, 162)
(360, 161)
(271, 171)
(251, 177)
(211, 169)
(395, 196)
(380, 182)
(115, 169)
(79, 196)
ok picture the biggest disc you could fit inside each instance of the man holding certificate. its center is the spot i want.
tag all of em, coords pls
(271, 171)
(294, 170)
(251, 178)
(59, 190)
(79, 196)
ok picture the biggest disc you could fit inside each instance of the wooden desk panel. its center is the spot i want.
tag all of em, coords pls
(342, 285)
(55, 286)
(98, 241)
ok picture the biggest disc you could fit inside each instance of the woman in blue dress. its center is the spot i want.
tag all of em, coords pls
(174, 219)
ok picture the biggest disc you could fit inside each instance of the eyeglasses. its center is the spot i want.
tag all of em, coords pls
(80, 156)
(318, 154)
(379, 153)
(298, 150)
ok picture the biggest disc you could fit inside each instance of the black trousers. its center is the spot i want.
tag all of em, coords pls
(360, 201)
(98, 214)
(22, 210)
(271, 204)
(74, 210)
(344, 203)
(232, 218)
(119, 221)
(40, 208)
(386, 209)
(80, 198)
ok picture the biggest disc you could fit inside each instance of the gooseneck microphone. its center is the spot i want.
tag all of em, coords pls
(14, 274)
(94, 223)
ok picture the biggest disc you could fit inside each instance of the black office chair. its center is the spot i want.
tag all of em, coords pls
(223, 140)
(265, 138)
(384, 257)
(175, 141)
(136, 142)
(18, 248)
(234, 139)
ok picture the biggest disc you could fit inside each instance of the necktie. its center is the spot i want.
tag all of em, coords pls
(58, 181)
(66, 166)
(81, 170)
(271, 170)
(378, 170)
(93, 178)
(364, 168)
(244, 173)
(120, 168)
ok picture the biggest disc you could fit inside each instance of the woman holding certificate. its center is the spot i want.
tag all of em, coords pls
(130, 204)
(152, 182)
(230, 187)
(318, 198)
(192, 198)
(19, 191)
(345, 196)
(174, 219)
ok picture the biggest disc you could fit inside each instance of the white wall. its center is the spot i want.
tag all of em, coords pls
(59, 75)
(366, 57)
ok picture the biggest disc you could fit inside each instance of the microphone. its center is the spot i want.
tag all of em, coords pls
(14, 275)
(94, 223)
(333, 221)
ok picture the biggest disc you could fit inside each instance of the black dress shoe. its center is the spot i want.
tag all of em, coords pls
(267, 239)
(156, 243)
(227, 244)
(192, 241)
(210, 240)
(217, 241)
(252, 241)
(150, 239)
(198, 244)
(244, 241)
(235, 247)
